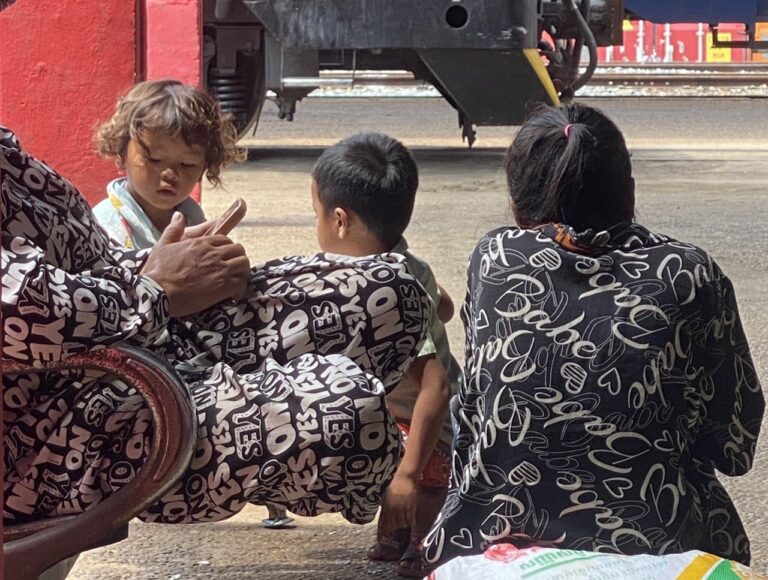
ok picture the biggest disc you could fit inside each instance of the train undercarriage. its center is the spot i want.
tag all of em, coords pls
(492, 60)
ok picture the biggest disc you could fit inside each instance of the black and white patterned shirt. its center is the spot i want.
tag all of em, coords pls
(288, 383)
(607, 379)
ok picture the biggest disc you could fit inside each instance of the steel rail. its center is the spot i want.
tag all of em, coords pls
(656, 74)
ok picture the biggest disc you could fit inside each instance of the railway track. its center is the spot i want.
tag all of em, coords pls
(645, 75)
(680, 74)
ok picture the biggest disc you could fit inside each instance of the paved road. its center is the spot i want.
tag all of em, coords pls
(702, 172)
(647, 122)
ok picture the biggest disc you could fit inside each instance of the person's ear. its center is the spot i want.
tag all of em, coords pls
(342, 222)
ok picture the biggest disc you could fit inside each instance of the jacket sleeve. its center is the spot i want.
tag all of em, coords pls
(49, 313)
(51, 306)
(129, 258)
(732, 399)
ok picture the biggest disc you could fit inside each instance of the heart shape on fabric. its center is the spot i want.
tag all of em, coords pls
(575, 377)
(547, 258)
(482, 320)
(611, 380)
(635, 269)
(665, 443)
(463, 539)
(525, 472)
(616, 486)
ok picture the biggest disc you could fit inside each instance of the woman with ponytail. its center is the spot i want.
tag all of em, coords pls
(608, 377)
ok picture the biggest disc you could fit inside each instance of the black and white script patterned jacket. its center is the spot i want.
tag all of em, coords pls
(608, 378)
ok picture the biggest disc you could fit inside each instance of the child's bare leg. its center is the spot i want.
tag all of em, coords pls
(390, 543)
(433, 490)
(431, 500)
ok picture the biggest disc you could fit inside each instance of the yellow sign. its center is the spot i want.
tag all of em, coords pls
(761, 34)
(718, 54)
(627, 26)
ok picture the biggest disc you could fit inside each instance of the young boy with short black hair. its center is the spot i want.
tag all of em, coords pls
(363, 193)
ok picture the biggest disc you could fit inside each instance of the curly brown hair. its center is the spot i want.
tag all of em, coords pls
(178, 109)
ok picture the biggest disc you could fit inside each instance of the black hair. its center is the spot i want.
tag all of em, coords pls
(373, 175)
(570, 164)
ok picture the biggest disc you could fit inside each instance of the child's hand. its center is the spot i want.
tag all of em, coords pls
(398, 510)
(445, 307)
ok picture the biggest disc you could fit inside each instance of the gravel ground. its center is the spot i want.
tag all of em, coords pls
(702, 173)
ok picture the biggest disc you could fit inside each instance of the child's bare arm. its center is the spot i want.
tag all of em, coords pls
(428, 417)
(445, 308)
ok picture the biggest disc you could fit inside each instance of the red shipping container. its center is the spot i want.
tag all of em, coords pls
(638, 47)
(681, 42)
(646, 42)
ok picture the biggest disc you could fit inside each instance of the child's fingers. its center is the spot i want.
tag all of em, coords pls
(199, 230)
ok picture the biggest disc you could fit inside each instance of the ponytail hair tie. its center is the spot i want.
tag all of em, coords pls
(567, 131)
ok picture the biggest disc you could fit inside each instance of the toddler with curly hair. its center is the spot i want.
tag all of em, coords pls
(164, 135)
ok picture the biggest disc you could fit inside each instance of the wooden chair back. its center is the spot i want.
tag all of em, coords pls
(32, 548)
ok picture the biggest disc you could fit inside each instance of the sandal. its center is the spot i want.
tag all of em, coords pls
(278, 523)
(386, 549)
(412, 564)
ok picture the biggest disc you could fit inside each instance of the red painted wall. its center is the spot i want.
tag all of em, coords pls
(173, 43)
(63, 65)
(173, 40)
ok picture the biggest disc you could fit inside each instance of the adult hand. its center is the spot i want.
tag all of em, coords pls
(399, 505)
(196, 272)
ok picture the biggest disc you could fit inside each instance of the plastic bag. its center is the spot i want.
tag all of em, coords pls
(506, 562)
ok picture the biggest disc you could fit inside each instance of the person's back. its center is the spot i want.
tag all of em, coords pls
(363, 193)
(614, 375)
(608, 375)
(402, 399)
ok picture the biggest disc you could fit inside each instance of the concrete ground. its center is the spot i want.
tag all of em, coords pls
(702, 172)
